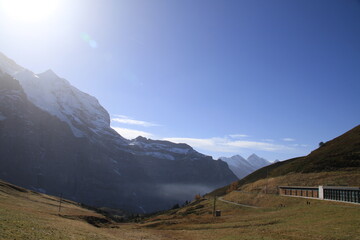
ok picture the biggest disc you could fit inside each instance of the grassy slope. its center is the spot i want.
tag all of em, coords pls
(320, 220)
(340, 155)
(29, 215)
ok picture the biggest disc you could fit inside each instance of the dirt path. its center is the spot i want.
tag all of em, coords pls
(234, 203)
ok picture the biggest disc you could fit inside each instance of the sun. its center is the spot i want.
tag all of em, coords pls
(29, 10)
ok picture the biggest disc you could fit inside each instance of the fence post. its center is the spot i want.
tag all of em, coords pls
(60, 199)
(214, 206)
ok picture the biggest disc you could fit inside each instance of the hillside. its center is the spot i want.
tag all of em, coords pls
(337, 162)
(26, 214)
(270, 217)
(30, 215)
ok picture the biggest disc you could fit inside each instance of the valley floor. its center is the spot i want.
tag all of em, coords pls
(28, 215)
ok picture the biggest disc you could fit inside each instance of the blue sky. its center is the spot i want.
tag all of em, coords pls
(271, 77)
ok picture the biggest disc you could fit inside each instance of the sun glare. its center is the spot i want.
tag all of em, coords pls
(29, 10)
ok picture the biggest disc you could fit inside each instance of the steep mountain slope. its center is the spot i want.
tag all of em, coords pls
(241, 167)
(57, 139)
(55, 95)
(40, 152)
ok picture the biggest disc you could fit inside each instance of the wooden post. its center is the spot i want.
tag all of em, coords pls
(214, 206)
(266, 186)
(60, 199)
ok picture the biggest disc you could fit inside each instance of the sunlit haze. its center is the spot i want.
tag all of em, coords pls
(273, 78)
(29, 10)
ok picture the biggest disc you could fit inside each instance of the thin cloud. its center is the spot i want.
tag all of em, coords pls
(299, 145)
(238, 135)
(228, 145)
(262, 146)
(131, 133)
(127, 120)
(288, 139)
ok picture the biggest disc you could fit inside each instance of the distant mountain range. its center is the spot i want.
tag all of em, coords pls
(57, 139)
(242, 167)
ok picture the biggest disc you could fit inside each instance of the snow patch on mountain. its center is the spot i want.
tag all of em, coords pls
(154, 145)
(117, 172)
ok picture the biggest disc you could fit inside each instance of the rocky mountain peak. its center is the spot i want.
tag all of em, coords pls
(253, 156)
(257, 161)
(50, 75)
(141, 138)
(242, 167)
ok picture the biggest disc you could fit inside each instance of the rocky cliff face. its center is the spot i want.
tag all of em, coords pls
(56, 139)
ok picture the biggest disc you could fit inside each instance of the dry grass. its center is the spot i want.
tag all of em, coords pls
(29, 215)
(340, 178)
(297, 220)
(277, 218)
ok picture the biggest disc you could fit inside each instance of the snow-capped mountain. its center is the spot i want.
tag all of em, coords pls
(56, 139)
(163, 149)
(55, 95)
(257, 161)
(242, 167)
